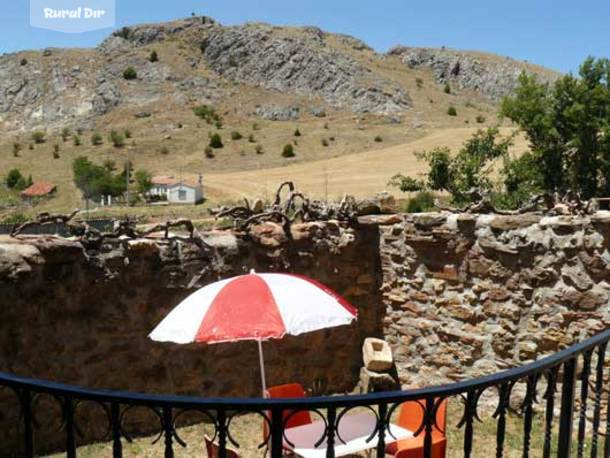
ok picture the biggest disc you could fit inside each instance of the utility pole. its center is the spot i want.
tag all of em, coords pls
(127, 166)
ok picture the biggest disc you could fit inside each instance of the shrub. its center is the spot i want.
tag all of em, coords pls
(207, 113)
(14, 180)
(255, 126)
(259, 149)
(378, 139)
(24, 62)
(324, 142)
(451, 111)
(96, 139)
(422, 202)
(31, 146)
(406, 184)
(124, 33)
(154, 57)
(38, 137)
(235, 135)
(164, 150)
(65, 134)
(15, 218)
(480, 119)
(326, 125)
(16, 149)
(55, 151)
(130, 73)
(297, 132)
(419, 82)
(251, 138)
(76, 140)
(143, 181)
(209, 152)
(127, 133)
(447, 88)
(218, 124)
(117, 139)
(216, 141)
(288, 151)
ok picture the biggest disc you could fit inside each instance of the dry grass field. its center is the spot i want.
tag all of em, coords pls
(361, 174)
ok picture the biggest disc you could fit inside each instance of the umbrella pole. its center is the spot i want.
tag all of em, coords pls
(261, 362)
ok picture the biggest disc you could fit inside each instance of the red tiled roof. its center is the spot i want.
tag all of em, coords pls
(164, 180)
(39, 189)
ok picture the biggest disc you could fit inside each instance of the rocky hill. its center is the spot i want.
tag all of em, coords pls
(293, 69)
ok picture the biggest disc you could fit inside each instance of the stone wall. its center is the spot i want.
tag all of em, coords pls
(455, 295)
(83, 317)
(467, 295)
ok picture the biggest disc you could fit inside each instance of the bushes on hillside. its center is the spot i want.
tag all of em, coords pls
(208, 114)
(38, 136)
(130, 73)
(216, 141)
(14, 180)
(96, 139)
(451, 111)
(288, 151)
(117, 139)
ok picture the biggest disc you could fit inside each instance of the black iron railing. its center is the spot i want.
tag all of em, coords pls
(572, 406)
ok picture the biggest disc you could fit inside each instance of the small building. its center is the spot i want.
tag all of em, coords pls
(160, 185)
(185, 192)
(38, 190)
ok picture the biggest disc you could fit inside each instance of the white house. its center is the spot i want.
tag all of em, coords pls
(161, 184)
(185, 192)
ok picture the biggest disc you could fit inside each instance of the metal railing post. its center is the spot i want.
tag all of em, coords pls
(564, 446)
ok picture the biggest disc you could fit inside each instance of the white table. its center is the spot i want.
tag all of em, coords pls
(354, 429)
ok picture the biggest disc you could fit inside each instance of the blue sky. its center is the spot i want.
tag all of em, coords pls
(558, 34)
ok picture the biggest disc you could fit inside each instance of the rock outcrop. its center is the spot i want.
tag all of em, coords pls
(495, 78)
(302, 63)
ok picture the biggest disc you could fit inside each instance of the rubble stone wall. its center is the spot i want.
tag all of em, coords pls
(82, 317)
(456, 296)
(469, 295)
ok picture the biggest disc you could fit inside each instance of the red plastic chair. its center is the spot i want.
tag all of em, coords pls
(214, 450)
(290, 390)
(411, 417)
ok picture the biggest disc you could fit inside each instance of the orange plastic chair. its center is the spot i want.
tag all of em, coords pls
(214, 450)
(411, 417)
(290, 390)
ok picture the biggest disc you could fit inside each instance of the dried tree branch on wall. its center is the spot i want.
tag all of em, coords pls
(549, 204)
(289, 206)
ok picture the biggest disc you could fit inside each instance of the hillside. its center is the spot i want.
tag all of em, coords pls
(264, 81)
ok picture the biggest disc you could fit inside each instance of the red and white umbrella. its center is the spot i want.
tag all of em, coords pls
(254, 307)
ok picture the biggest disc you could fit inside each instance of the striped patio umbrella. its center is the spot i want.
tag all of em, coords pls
(254, 307)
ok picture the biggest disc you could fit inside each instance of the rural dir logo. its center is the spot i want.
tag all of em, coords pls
(72, 16)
